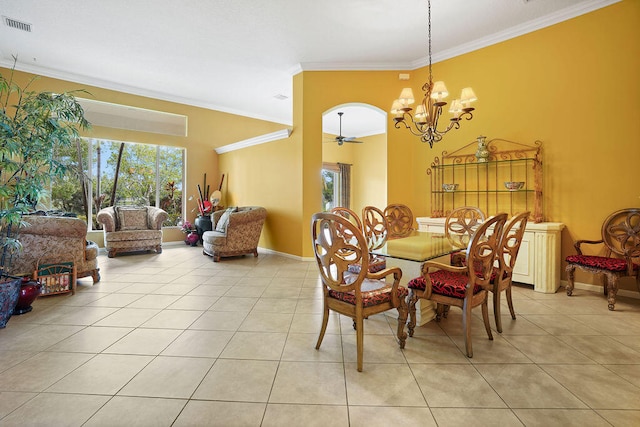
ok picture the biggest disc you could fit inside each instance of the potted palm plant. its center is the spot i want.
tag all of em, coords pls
(32, 125)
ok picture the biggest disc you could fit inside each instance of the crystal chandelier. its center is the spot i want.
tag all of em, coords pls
(424, 122)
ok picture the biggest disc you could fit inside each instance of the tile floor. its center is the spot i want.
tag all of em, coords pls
(177, 340)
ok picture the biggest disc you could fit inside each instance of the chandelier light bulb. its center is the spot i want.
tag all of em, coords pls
(439, 91)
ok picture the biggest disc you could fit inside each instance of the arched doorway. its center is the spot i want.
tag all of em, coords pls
(362, 144)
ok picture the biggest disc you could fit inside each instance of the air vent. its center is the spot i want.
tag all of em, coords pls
(18, 25)
(280, 97)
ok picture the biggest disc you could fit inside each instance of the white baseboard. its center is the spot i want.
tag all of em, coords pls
(284, 254)
(599, 290)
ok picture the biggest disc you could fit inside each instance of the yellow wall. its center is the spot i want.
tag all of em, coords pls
(368, 169)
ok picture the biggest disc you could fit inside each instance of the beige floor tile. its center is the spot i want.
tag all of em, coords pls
(596, 386)
(115, 300)
(309, 305)
(144, 341)
(603, 349)
(142, 287)
(11, 400)
(560, 418)
(238, 380)
(297, 382)
(173, 319)
(630, 373)
(610, 323)
(498, 350)
(104, 374)
(542, 391)
(475, 417)
(255, 345)
(384, 416)
(559, 324)
(382, 385)
(174, 288)
(171, 377)
(547, 349)
(433, 349)
(245, 291)
(277, 291)
(52, 409)
(128, 317)
(219, 321)
(301, 348)
(275, 305)
(621, 418)
(123, 411)
(40, 371)
(210, 290)
(377, 349)
(39, 338)
(193, 302)
(267, 322)
(374, 325)
(154, 301)
(12, 358)
(306, 415)
(199, 344)
(631, 341)
(221, 414)
(93, 339)
(235, 304)
(455, 386)
(311, 323)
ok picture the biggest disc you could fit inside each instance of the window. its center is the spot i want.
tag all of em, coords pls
(336, 185)
(147, 175)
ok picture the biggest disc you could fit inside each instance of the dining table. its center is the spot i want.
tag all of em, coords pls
(409, 253)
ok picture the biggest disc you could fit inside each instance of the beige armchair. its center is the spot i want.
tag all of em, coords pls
(129, 228)
(51, 240)
(234, 232)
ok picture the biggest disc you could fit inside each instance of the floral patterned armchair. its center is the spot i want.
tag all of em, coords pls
(132, 228)
(52, 239)
(236, 231)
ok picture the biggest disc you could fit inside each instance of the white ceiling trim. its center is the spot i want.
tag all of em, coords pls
(500, 36)
(262, 139)
(106, 84)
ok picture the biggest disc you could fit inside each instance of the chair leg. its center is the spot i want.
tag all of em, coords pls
(403, 311)
(323, 329)
(413, 299)
(510, 302)
(485, 317)
(571, 269)
(466, 327)
(611, 282)
(496, 310)
(360, 340)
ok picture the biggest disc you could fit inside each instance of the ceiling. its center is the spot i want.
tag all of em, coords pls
(239, 56)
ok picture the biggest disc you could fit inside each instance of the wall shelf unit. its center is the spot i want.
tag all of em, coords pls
(479, 171)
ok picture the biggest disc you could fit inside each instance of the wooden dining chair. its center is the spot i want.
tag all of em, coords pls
(507, 253)
(459, 226)
(376, 232)
(350, 216)
(465, 287)
(354, 295)
(399, 219)
(621, 239)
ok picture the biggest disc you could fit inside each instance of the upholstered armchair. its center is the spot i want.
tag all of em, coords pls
(236, 231)
(52, 240)
(130, 229)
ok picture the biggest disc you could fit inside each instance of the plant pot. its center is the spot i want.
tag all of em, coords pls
(192, 238)
(9, 293)
(29, 291)
(203, 223)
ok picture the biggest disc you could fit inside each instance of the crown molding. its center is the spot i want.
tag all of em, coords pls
(262, 139)
(132, 90)
(510, 33)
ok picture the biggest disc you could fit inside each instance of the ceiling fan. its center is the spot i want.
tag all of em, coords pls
(342, 139)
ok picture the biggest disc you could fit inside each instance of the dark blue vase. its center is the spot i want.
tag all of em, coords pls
(9, 293)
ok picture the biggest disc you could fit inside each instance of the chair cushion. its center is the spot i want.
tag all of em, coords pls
(375, 265)
(131, 218)
(222, 223)
(444, 282)
(600, 262)
(374, 292)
